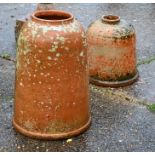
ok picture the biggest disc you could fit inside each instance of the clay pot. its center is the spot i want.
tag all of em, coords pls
(112, 52)
(51, 91)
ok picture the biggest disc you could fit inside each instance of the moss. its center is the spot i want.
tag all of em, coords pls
(5, 55)
(146, 61)
(151, 107)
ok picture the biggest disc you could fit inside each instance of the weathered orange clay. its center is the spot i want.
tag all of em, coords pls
(51, 89)
(112, 52)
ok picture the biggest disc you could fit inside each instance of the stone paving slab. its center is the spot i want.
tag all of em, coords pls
(120, 118)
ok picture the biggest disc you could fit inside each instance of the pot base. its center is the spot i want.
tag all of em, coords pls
(114, 84)
(51, 136)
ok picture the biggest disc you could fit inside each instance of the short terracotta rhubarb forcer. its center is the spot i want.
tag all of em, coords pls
(112, 52)
(51, 91)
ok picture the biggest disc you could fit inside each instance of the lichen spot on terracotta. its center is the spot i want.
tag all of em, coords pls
(49, 58)
(58, 54)
(38, 61)
(21, 84)
(82, 53)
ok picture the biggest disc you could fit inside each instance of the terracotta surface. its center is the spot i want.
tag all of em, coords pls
(112, 52)
(51, 91)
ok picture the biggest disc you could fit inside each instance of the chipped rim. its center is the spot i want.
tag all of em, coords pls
(110, 18)
(51, 136)
(69, 16)
(114, 84)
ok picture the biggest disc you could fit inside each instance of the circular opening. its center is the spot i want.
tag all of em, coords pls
(52, 16)
(111, 18)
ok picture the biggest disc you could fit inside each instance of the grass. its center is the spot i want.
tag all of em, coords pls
(5, 55)
(151, 107)
(147, 61)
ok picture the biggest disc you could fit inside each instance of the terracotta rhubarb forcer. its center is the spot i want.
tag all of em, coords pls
(51, 91)
(112, 52)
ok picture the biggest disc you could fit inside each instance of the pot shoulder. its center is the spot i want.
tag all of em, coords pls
(120, 30)
(34, 31)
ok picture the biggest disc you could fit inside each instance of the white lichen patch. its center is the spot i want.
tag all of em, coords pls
(23, 43)
(17, 58)
(81, 53)
(54, 48)
(34, 75)
(38, 61)
(83, 35)
(28, 61)
(33, 33)
(58, 40)
(21, 84)
(55, 43)
(45, 29)
(61, 39)
(40, 51)
(58, 54)
(85, 43)
(40, 82)
(49, 58)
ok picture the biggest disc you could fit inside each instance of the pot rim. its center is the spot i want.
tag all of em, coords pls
(66, 16)
(110, 18)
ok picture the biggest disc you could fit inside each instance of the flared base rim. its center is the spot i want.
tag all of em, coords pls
(114, 84)
(51, 136)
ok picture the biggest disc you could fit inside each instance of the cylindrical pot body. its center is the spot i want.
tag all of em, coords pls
(112, 52)
(51, 88)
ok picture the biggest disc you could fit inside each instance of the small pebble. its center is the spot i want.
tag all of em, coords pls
(18, 147)
(120, 140)
(69, 140)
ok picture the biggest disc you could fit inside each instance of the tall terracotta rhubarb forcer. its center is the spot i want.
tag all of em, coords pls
(112, 52)
(51, 92)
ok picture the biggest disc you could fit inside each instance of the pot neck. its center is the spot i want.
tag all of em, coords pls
(54, 17)
(110, 19)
